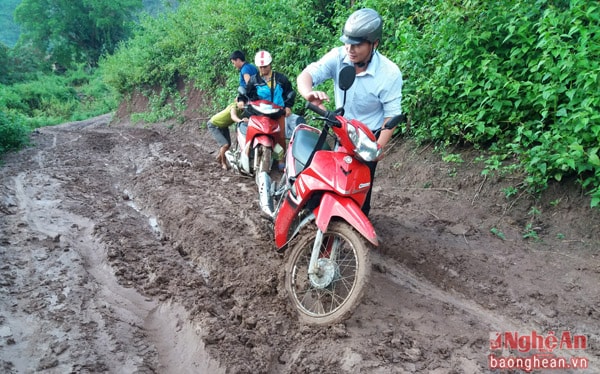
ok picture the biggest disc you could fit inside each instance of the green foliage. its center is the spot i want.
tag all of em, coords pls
(518, 77)
(94, 96)
(48, 96)
(21, 63)
(453, 157)
(14, 134)
(75, 31)
(4, 63)
(53, 99)
(498, 233)
(510, 191)
(530, 232)
(196, 40)
(156, 7)
(32, 94)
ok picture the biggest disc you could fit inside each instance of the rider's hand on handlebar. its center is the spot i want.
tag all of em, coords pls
(317, 98)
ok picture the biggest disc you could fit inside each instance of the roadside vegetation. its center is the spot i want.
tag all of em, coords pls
(49, 70)
(516, 80)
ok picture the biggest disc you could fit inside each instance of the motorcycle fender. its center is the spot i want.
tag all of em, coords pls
(285, 216)
(347, 209)
(245, 162)
(265, 140)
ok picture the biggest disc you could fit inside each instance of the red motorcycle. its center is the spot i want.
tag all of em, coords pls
(316, 213)
(256, 139)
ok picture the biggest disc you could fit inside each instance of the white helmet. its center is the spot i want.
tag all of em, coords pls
(262, 58)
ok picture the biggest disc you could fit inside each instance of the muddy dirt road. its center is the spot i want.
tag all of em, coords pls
(125, 249)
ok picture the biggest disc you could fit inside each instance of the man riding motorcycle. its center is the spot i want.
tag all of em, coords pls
(272, 86)
(376, 95)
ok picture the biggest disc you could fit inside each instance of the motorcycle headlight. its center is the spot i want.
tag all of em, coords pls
(365, 148)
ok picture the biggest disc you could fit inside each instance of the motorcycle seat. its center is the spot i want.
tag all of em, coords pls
(304, 143)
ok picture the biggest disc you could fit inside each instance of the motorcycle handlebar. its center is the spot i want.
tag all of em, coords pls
(327, 115)
(316, 109)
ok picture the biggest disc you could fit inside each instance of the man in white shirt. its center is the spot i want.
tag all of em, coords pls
(375, 97)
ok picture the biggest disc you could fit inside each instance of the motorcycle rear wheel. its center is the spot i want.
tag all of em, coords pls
(331, 295)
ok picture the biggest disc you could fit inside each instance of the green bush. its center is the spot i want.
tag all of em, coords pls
(14, 134)
(196, 41)
(517, 78)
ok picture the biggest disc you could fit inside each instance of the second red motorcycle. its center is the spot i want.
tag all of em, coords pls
(255, 141)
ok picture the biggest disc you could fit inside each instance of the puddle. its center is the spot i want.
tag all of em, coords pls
(152, 220)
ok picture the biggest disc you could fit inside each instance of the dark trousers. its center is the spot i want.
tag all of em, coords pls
(221, 134)
(367, 205)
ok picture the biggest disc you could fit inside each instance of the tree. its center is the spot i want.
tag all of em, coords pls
(74, 31)
(21, 63)
(4, 64)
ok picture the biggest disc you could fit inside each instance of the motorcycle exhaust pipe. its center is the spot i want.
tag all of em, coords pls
(265, 194)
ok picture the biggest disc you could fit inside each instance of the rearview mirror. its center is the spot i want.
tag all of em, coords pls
(346, 77)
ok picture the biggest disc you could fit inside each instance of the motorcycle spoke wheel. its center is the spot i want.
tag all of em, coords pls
(331, 295)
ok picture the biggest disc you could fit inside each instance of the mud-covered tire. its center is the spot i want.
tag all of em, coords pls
(319, 305)
(263, 157)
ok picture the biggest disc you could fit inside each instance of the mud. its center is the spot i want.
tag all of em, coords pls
(126, 249)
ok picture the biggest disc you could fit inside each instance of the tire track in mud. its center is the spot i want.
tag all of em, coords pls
(165, 250)
(412, 324)
(403, 277)
(462, 314)
(98, 324)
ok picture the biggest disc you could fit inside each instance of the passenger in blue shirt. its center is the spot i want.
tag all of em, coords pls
(247, 70)
(376, 94)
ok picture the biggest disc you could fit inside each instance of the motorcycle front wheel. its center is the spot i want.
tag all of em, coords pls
(331, 293)
(262, 160)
